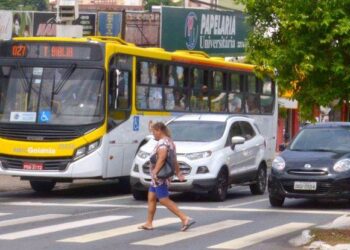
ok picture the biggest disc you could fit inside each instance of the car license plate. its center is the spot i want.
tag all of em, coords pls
(305, 185)
(33, 166)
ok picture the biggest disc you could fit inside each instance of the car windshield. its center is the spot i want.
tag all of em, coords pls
(322, 139)
(196, 131)
(65, 96)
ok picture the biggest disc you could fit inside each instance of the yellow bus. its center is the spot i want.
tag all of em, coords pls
(74, 108)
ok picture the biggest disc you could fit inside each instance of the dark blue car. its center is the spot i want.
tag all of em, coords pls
(315, 165)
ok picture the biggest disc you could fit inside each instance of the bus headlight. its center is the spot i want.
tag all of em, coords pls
(199, 155)
(86, 149)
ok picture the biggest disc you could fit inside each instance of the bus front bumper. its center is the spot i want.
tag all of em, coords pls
(89, 166)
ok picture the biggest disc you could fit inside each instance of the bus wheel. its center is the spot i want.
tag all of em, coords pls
(42, 186)
(124, 184)
(139, 195)
(219, 192)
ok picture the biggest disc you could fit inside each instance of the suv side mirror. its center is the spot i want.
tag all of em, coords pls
(237, 140)
(281, 147)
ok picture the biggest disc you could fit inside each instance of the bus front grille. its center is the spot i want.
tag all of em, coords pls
(33, 134)
(12, 163)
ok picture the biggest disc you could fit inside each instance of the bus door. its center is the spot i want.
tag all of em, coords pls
(122, 147)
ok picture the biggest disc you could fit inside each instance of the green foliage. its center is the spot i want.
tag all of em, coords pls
(150, 3)
(308, 42)
(23, 4)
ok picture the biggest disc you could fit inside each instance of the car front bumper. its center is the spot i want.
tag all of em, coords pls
(327, 187)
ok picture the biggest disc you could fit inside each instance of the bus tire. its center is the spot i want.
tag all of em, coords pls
(124, 184)
(139, 195)
(42, 186)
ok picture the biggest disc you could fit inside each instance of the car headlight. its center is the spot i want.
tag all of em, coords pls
(342, 165)
(198, 155)
(143, 154)
(86, 149)
(278, 163)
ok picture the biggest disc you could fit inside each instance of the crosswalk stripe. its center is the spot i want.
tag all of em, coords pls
(117, 231)
(29, 219)
(59, 227)
(3, 214)
(193, 232)
(261, 236)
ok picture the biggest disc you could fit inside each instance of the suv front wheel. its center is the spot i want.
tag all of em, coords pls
(219, 192)
(260, 185)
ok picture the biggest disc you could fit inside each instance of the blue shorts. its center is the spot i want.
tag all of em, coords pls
(161, 191)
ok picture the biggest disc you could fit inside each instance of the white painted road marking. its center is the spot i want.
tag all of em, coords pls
(117, 231)
(30, 219)
(189, 208)
(59, 227)
(191, 233)
(3, 214)
(244, 203)
(256, 238)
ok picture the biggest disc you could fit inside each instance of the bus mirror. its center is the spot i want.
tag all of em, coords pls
(6, 70)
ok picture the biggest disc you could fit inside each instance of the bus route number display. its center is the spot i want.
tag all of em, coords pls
(50, 51)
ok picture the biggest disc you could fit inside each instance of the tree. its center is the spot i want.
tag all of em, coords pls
(23, 4)
(308, 42)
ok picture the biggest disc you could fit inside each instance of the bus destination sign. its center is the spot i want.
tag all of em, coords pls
(50, 51)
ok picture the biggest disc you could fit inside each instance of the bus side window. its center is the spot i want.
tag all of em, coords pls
(119, 96)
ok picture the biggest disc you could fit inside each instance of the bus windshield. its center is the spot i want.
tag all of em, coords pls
(60, 96)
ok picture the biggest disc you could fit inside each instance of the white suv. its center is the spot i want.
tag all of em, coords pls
(214, 152)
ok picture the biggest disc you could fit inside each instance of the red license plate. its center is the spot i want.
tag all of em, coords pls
(33, 166)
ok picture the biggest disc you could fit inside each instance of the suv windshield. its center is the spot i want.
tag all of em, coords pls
(322, 139)
(196, 131)
(65, 96)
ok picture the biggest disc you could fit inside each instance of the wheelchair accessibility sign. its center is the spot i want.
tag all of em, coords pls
(45, 116)
(136, 124)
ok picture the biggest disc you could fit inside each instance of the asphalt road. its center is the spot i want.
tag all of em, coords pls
(97, 216)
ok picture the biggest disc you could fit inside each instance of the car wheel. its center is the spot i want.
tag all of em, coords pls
(139, 195)
(219, 192)
(261, 179)
(276, 201)
(42, 186)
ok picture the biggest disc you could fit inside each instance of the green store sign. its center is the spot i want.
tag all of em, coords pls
(214, 32)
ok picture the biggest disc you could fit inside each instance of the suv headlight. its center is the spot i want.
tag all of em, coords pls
(342, 165)
(86, 149)
(278, 163)
(143, 154)
(199, 155)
